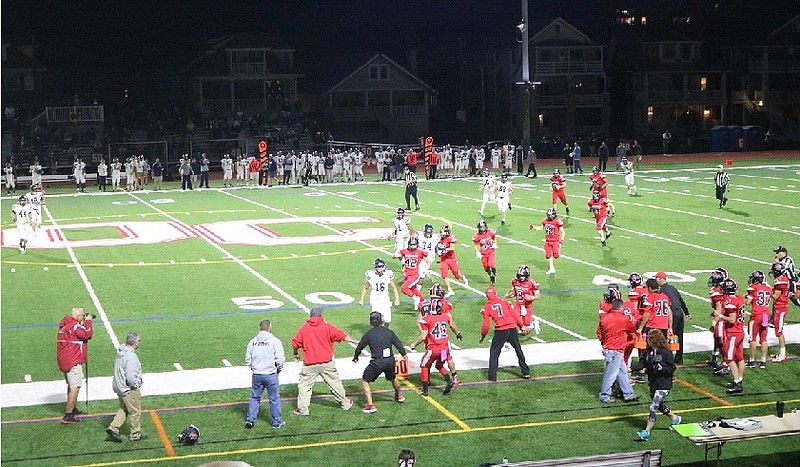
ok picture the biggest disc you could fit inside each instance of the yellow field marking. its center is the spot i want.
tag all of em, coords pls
(436, 404)
(420, 435)
(162, 433)
(702, 391)
(183, 263)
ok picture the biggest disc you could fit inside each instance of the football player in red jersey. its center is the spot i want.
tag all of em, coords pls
(553, 237)
(717, 327)
(758, 297)
(557, 184)
(433, 324)
(631, 310)
(411, 258)
(438, 301)
(485, 246)
(612, 293)
(599, 183)
(524, 291)
(780, 305)
(446, 250)
(599, 208)
(732, 314)
(657, 310)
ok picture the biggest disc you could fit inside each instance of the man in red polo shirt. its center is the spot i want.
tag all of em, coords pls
(615, 331)
(507, 322)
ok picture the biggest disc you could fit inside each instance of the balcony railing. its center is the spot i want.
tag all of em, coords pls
(707, 95)
(244, 105)
(561, 68)
(581, 100)
(378, 111)
(683, 96)
(79, 113)
(248, 69)
(775, 66)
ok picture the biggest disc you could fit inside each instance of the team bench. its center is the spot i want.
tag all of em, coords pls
(622, 459)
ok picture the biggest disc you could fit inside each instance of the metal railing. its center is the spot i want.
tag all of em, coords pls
(245, 105)
(560, 68)
(77, 113)
(378, 111)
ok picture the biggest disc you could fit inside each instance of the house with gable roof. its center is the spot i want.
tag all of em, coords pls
(380, 100)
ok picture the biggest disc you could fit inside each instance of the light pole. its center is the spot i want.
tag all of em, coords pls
(529, 87)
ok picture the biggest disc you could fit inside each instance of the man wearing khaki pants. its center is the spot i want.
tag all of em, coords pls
(126, 383)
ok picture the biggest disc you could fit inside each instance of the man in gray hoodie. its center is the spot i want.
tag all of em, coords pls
(126, 383)
(264, 356)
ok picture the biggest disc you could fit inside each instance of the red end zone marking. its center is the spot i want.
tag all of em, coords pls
(204, 232)
(264, 231)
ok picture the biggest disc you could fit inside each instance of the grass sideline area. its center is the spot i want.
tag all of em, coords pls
(196, 296)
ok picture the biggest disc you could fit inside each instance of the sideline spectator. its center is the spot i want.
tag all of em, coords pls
(380, 340)
(614, 331)
(316, 338)
(576, 158)
(158, 174)
(265, 358)
(679, 311)
(506, 324)
(531, 163)
(126, 383)
(660, 367)
(74, 333)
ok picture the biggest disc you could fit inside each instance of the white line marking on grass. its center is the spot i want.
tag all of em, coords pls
(750, 230)
(723, 231)
(537, 339)
(225, 252)
(553, 325)
(699, 327)
(572, 239)
(226, 362)
(623, 236)
(702, 233)
(675, 234)
(177, 366)
(455, 347)
(96, 301)
(28, 379)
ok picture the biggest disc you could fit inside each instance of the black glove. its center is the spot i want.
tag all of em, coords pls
(355, 359)
(458, 336)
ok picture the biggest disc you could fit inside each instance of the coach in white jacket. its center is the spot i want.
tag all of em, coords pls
(265, 358)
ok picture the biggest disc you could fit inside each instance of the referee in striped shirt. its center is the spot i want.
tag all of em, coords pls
(721, 182)
(411, 188)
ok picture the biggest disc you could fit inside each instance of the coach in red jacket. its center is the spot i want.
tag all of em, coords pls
(74, 331)
(614, 331)
(506, 323)
(316, 338)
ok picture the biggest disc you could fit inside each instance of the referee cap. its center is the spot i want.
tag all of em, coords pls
(780, 249)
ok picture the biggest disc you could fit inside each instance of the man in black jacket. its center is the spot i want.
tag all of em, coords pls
(380, 340)
(680, 312)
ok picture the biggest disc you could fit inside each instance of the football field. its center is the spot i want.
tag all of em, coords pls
(194, 273)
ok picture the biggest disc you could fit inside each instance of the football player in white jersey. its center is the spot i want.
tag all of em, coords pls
(489, 187)
(116, 173)
(21, 213)
(358, 166)
(79, 172)
(11, 186)
(504, 190)
(630, 180)
(402, 230)
(427, 243)
(227, 170)
(35, 201)
(378, 281)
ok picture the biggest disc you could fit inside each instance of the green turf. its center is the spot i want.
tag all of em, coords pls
(180, 296)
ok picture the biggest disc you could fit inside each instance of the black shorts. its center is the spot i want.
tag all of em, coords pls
(378, 366)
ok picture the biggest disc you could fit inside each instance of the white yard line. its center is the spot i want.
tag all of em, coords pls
(98, 306)
(241, 263)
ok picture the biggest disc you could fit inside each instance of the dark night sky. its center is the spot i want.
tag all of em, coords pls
(135, 40)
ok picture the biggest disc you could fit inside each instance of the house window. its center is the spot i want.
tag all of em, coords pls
(668, 52)
(649, 114)
(644, 20)
(685, 51)
(703, 83)
(378, 72)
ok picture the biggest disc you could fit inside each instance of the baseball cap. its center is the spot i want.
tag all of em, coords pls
(780, 249)
(661, 275)
(316, 311)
